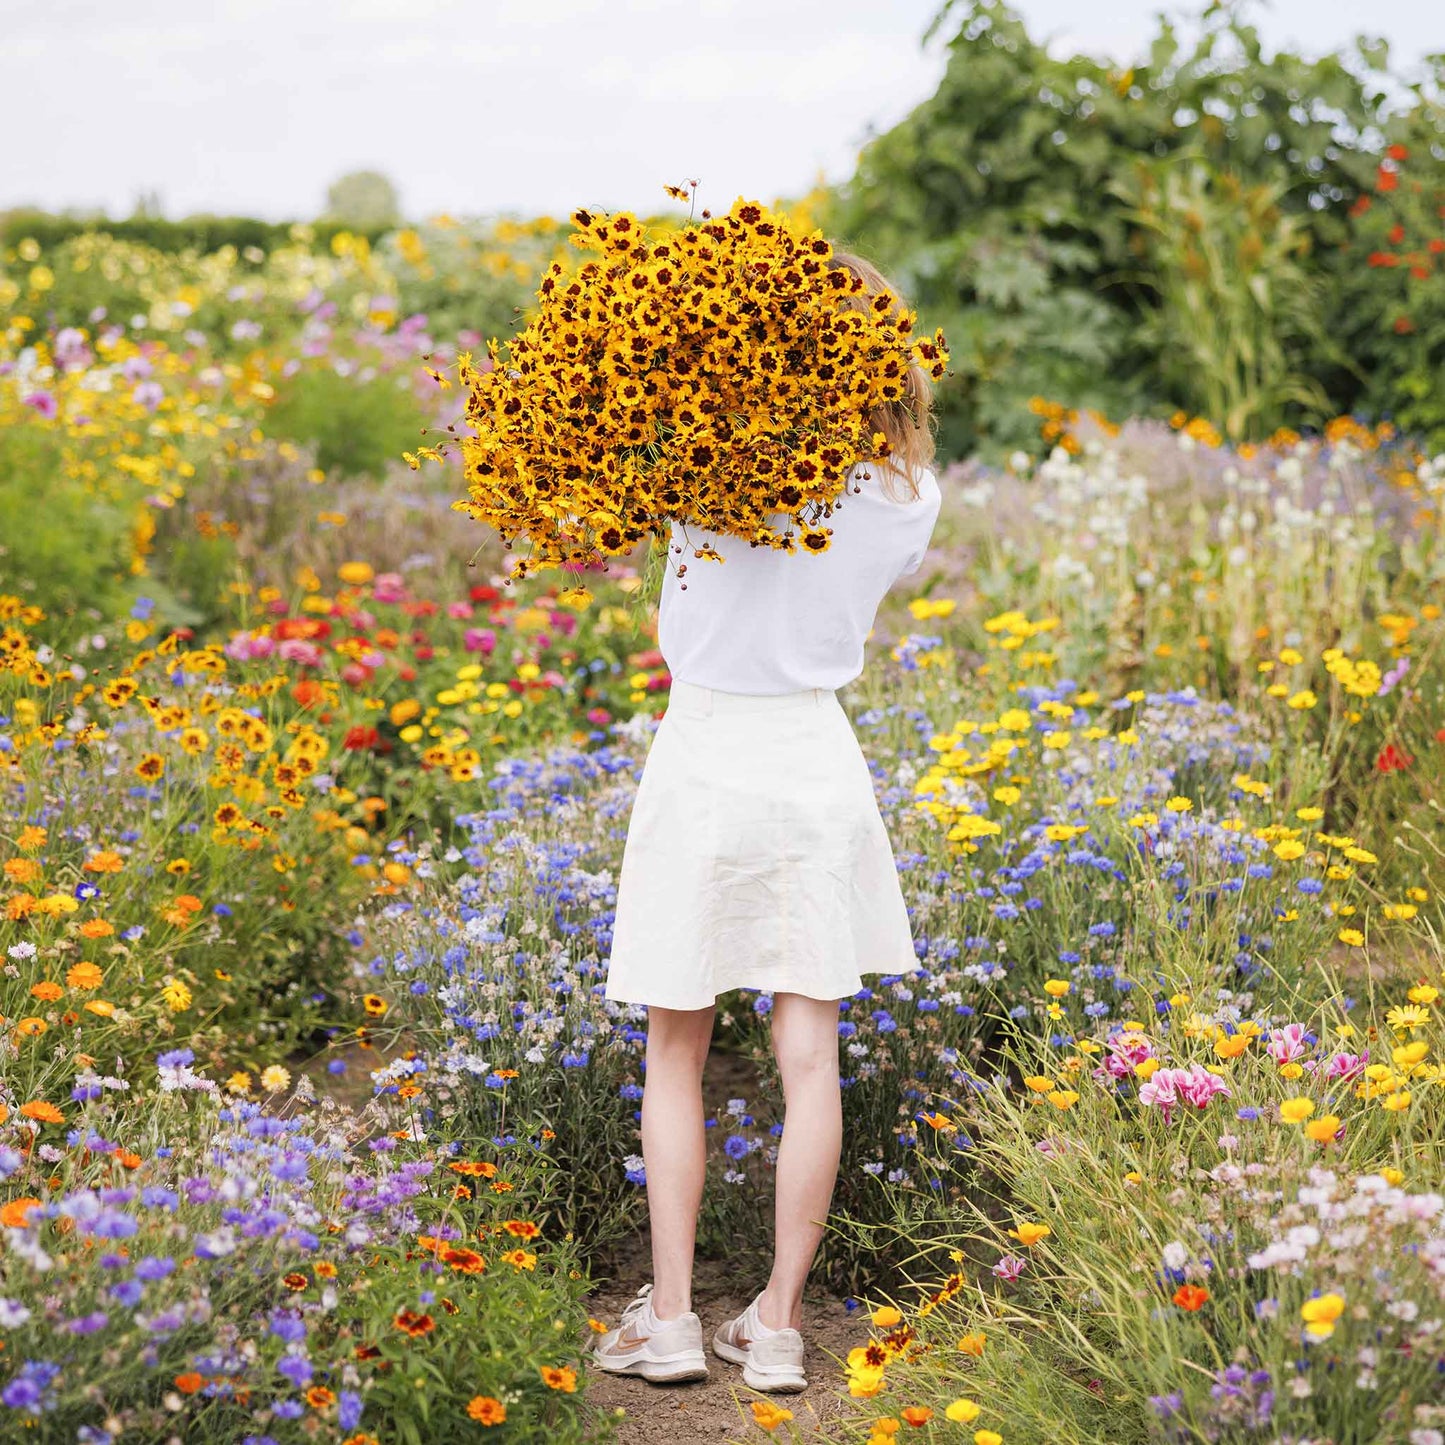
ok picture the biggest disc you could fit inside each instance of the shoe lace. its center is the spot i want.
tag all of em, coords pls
(636, 1307)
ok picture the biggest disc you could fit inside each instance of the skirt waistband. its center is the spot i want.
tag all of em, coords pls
(704, 701)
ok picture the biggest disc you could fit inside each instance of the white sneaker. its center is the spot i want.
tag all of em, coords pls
(772, 1360)
(667, 1354)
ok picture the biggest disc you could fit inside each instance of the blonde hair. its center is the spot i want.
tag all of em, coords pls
(909, 422)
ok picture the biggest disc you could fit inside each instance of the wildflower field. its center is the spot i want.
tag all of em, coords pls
(314, 1123)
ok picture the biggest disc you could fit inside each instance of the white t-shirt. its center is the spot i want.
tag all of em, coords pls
(765, 621)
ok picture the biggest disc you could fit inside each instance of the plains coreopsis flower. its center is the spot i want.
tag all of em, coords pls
(721, 374)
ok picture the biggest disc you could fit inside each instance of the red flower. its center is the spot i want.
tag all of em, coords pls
(1397, 152)
(1392, 760)
(360, 739)
(1397, 234)
(1190, 1297)
(1362, 204)
(1383, 258)
(304, 629)
(1403, 325)
(483, 594)
(307, 693)
(1386, 180)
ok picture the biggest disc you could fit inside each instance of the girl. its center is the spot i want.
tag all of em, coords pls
(756, 857)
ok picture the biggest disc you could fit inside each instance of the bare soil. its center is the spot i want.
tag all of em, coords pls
(717, 1409)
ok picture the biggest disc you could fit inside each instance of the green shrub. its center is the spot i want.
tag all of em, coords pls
(357, 426)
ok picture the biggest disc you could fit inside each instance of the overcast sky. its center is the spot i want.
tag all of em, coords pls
(255, 106)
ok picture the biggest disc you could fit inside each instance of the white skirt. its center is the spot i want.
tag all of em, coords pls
(756, 856)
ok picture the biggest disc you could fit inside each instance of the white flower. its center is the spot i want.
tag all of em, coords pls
(13, 1314)
(1175, 1256)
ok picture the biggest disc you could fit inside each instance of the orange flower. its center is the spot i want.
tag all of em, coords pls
(1190, 1297)
(84, 976)
(295, 1280)
(559, 1378)
(486, 1410)
(917, 1414)
(104, 862)
(319, 1397)
(485, 1170)
(413, 1324)
(464, 1261)
(521, 1228)
(96, 928)
(126, 1159)
(42, 1112)
(16, 1213)
(46, 991)
(29, 1028)
(190, 1382)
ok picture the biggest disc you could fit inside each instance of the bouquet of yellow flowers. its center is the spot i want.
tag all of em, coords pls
(720, 374)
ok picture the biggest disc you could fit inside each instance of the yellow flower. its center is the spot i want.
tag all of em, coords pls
(1179, 805)
(1289, 850)
(1393, 1177)
(769, 1415)
(885, 1317)
(275, 1077)
(1057, 987)
(1352, 936)
(355, 574)
(987, 1437)
(176, 995)
(1296, 1111)
(1320, 1314)
(972, 1344)
(1063, 1099)
(1029, 1234)
(1397, 1102)
(963, 1411)
(1323, 1129)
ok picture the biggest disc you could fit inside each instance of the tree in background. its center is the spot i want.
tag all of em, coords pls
(364, 199)
(997, 205)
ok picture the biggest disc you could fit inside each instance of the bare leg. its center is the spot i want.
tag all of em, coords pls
(805, 1044)
(674, 1149)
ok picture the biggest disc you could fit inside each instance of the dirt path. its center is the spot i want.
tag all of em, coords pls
(717, 1409)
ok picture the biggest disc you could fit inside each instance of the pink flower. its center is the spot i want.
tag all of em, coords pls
(294, 649)
(1010, 1267)
(459, 610)
(1165, 1089)
(1287, 1044)
(355, 675)
(482, 640)
(246, 646)
(1125, 1051)
(43, 402)
(388, 587)
(1346, 1066)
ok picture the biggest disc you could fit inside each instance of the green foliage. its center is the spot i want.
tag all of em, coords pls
(61, 548)
(1237, 306)
(204, 234)
(363, 198)
(1390, 281)
(1016, 151)
(358, 426)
